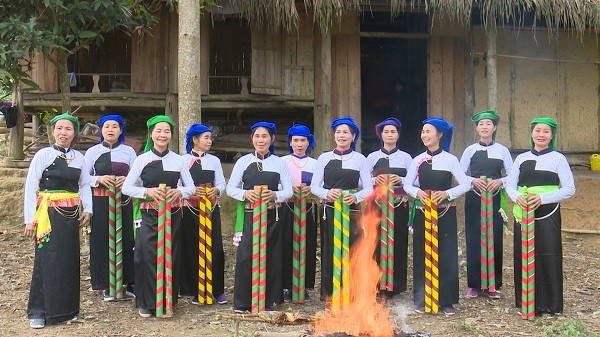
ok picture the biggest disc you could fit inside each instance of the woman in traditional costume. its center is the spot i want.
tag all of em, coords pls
(541, 178)
(156, 166)
(108, 164)
(261, 167)
(389, 165)
(433, 171)
(205, 169)
(340, 172)
(301, 167)
(56, 190)
(491, 160)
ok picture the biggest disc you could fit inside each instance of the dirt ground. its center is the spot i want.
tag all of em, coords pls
(475, 317)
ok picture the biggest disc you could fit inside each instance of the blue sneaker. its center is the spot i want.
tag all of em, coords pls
(287, 295)
(221, 299)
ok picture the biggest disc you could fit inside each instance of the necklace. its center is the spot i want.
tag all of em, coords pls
(305, 158)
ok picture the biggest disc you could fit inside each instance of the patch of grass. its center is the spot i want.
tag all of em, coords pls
(463, 326)
(228, 208)
(566, 328)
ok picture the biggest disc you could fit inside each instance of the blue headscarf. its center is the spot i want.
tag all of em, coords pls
(194, 130)
(269, 126)
(113, 117)
(444, 127)
(350, 122)
(302, 131)
(388, 121)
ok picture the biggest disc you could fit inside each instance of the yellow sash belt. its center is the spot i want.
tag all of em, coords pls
(41, 217)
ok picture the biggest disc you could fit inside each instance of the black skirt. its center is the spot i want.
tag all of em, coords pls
(188, 278)
(145, 257)
(286, 215)
(400, 249)
(242, 293)
(54, 291)
(99, 244)
(327, 246)
(548, 261)
(473, 236)
(448, 258)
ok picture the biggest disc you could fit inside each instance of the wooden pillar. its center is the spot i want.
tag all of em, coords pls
(323, 114)
(491, 74)
(171, 104)
(188, 65)
(17, 134)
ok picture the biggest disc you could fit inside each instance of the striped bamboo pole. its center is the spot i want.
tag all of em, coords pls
(390, 235)
(118, 243)
(112, 261)
(255, 278)
(302, 286)
(208, 206)
(160, 257)
(491, 270)
(168, 261)
(528, 263)
(201, 250)
(337, 254)
(435, 258)
(262, 286)
(383, 240)
(345, 253)
(299, 247)
(483, 239)
(431, 256)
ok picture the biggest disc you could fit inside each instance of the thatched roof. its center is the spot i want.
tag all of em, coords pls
(577, 15)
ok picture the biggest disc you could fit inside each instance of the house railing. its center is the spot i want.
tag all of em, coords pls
(122, 81)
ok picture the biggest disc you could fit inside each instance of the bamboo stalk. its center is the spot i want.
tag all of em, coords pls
(160, 257)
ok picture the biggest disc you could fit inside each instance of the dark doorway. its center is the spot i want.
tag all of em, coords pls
(394, 76)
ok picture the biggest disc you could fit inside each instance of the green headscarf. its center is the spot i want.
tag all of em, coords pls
(487, 114)
(551, 123)
(153, 121)
(69, 117)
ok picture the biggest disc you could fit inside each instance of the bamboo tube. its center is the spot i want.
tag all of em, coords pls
(160, 257)
(528, 263)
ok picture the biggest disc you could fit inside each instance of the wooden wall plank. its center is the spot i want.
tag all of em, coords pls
(459, 108)
(435, 79)
(149, 55)
(447, 108)
(44, 73)
(267, 62)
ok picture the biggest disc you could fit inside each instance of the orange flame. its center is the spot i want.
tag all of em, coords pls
(364, 315)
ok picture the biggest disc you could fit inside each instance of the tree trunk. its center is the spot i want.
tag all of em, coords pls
(322, 115)
(492, 78)
(15, 149)
(188, 68)
(63, 81)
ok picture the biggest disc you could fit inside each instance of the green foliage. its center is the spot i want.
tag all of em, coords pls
(566, 328)
(64, 26)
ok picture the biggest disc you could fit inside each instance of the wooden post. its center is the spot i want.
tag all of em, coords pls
(188, 68)
(491, 74)
(17, 134)
(323, 114)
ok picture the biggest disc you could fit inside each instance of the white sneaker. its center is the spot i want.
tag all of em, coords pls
(37, 323)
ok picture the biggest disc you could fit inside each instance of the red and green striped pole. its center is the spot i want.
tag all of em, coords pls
(115, 243)
(528, 262)
(112, 260)
(299, 247)
(262, 287)
(488, 278)
(259, 251)
(386, 256)
(160, 256)
(164, 260)
(205, 277)
(432, 283)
